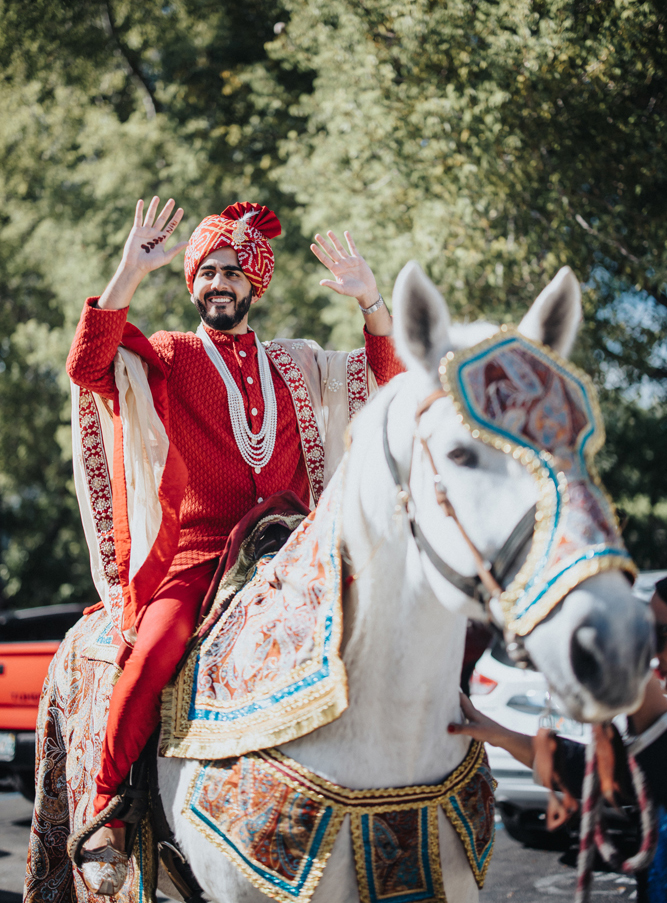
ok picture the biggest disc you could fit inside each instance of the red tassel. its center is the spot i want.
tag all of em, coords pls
(265, 222)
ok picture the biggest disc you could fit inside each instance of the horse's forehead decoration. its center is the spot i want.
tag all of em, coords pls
(525, 400)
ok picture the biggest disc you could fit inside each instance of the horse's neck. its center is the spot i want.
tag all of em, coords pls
(402, 651)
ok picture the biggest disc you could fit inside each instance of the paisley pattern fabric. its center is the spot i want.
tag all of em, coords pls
(472, 808)
(276, 835)
(397, 856)
(269, 670)
(524, 399)
(277, 821)
(70, 729)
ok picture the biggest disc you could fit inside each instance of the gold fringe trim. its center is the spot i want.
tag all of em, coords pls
(524, 623)
(371, 802)
(144, 883)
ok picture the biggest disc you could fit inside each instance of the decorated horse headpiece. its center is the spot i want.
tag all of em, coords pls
(524, 399)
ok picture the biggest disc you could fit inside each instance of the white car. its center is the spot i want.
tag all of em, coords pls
(516, 698)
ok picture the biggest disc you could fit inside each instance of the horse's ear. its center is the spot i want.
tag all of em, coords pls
(421, 319)
(555, 314)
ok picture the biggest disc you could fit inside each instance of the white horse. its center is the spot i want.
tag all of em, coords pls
(405, 625)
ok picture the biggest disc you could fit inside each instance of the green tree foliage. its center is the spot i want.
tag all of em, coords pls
(493, 141)
(101, 103)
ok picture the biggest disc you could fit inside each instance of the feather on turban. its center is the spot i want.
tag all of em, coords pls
(247, 229)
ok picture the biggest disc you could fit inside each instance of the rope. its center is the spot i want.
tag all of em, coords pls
(590, 813)
(592, 835)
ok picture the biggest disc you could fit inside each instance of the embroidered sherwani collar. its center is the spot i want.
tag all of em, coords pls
(226, 340)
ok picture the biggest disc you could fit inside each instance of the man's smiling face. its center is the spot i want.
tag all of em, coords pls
(222, 293)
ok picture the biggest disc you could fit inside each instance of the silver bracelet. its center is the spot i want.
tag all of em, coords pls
(371, 310)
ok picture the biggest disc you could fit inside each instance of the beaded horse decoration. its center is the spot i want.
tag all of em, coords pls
(524, 399)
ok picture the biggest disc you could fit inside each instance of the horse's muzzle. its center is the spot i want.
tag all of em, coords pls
(608, 672)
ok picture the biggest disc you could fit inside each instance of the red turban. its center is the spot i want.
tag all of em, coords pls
(244, 227)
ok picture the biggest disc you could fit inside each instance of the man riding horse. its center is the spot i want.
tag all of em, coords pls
(245, 423)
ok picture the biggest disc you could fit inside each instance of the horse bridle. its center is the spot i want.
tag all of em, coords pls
(491, 577)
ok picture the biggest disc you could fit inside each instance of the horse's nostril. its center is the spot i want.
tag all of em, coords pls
(585, 662)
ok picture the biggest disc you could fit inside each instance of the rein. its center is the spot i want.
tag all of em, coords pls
(488, 583)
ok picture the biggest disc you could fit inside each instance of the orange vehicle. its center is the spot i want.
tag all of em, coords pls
(28, 641)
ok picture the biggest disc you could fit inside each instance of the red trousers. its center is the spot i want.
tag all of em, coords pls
(162, 635)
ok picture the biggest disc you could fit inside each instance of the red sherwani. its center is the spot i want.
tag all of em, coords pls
(221, 489)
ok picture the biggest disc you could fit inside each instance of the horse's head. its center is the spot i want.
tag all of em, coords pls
(505, 425)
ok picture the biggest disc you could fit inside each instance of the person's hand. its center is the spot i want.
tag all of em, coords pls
(352, 275)
(477, 726)
(145, 249)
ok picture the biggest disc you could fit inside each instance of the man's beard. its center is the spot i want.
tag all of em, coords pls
(223, 318)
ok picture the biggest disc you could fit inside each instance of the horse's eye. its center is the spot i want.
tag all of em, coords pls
(463, 456)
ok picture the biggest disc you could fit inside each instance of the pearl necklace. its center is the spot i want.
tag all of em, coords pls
(256, 448)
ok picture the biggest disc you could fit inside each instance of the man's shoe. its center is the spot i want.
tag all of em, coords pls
(104, 869)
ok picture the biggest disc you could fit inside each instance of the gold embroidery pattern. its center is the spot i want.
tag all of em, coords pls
(99, 490)
(311, 441)
(277, 822)
(357, 383)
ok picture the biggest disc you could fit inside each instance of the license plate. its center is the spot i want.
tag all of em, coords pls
(7, 746)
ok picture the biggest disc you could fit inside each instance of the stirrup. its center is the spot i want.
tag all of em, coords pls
(104, 869)
(77, 839)
(130, 805)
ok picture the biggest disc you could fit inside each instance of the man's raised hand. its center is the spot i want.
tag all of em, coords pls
(352, 275)
(144, 251)
(145, 246)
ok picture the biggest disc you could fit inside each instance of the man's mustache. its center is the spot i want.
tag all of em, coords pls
(209, 295)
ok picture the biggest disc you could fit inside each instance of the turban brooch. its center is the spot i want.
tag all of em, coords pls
(247, 229)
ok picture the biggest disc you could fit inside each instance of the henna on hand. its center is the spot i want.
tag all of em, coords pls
(148, 247)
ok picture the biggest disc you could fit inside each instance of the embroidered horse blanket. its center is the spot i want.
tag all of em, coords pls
(268, 670)
(70, 730)
(277, 822)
